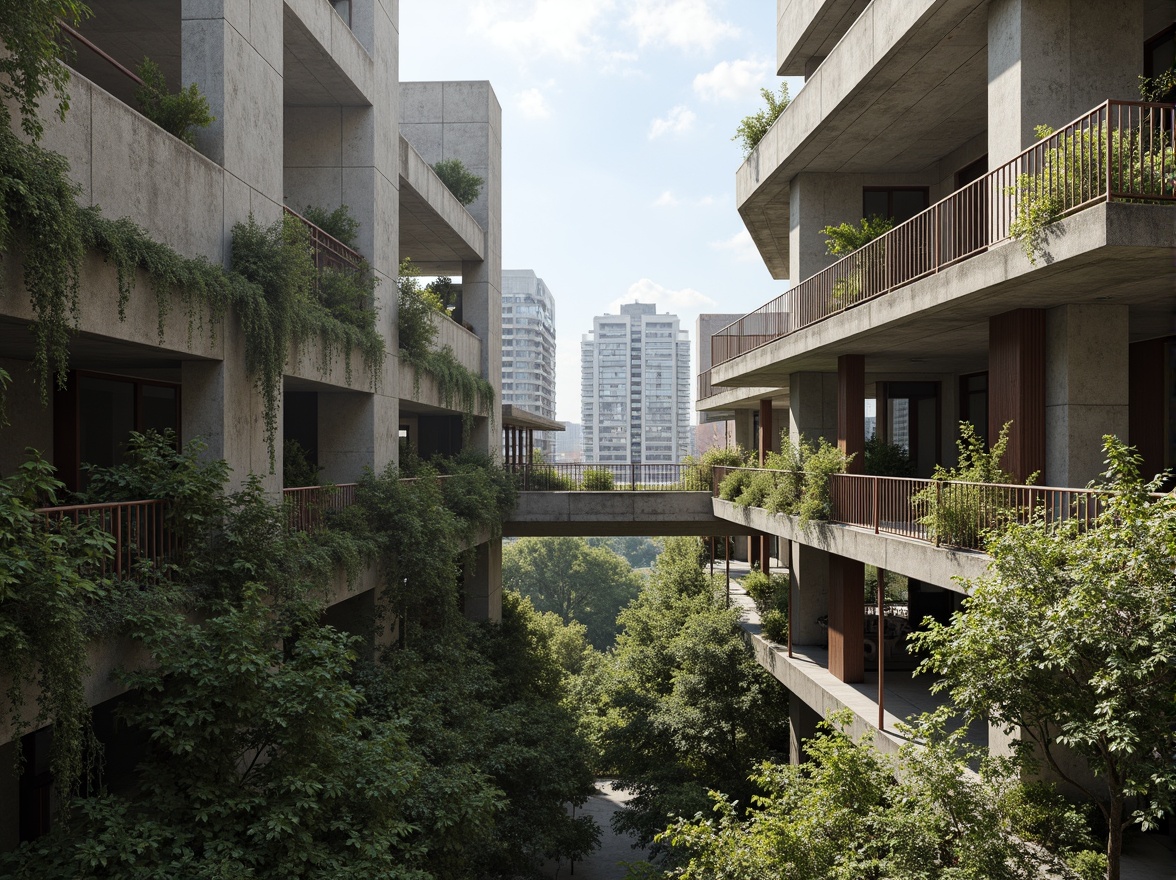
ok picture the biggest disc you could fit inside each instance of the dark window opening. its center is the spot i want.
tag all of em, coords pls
(898, 203)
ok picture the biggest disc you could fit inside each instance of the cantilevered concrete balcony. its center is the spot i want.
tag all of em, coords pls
(436, 231)
(904, 86)
(924, 290)
(807, 31)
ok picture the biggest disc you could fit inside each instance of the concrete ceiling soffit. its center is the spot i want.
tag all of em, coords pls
(312, 75)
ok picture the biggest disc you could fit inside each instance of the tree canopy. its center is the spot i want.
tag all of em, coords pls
(1071, 641)
(568, 577)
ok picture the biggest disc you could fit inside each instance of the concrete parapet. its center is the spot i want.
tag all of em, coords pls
(619, 512)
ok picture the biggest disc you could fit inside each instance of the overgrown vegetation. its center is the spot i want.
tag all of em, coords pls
(961, 514)
(179, 113)
(850, 811)
(699, 473)
(597, 480)
(753, 127)
(32, 67)
(795, 481)
(459, 180)
(1077, 166)
(417, 334)
(338, 223)
(884, 459)
(1069, 640)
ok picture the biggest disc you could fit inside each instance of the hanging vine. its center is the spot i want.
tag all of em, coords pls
(272, 285)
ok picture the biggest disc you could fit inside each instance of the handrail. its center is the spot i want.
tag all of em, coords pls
(959, 513)
(1119, 150)
(328, 252)
(608, 477)
(101, 53)
(139, 530)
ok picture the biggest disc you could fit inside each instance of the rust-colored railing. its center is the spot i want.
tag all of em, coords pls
(328, 252)
(705, 387)
(139, 530)
(307, 507)
(946, 512)
(1120, 151)
(610, 477)
(86, 42)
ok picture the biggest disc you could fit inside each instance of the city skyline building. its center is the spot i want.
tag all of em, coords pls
(528, 347)
(635, 387)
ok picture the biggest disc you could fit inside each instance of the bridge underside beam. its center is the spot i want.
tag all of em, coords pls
(652, 513)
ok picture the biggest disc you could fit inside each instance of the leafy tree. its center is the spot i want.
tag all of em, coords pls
(463, 183)
(752, 128)
(179, 113)
(850, 811)
(339, 223)
(576, 581)
(1070, 641)
(884, 459)
(32, 66)
(685, 707)
(640, 552)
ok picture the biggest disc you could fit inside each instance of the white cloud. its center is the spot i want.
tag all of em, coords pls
(532, 104)
(678, 121)
(684, 24)
(739, 245)
(687, 300)
(667, 200)
(539, 27)
(734, 80)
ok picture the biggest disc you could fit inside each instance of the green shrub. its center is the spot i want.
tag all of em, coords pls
(297, 468)
(768, 592)
(181, 113)
(463, 183)
(960, 514)
(598, 480)
(887, 459)
(699, 473)
(338, 224)
(774, 626)
(846, 238)
(752, 128)
(733, 485)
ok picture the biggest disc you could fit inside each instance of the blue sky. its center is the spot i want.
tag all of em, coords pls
(618, 163)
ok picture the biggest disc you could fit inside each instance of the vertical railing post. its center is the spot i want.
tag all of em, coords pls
(876, 487)
(632, 476)
(935, 520)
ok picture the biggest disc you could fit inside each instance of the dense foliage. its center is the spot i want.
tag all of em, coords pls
(459, 180)
(578, 582)
(1070, 640)
(850, 811)
(884, 459)
(752, 128)
(338, 223)
(846, 238)
(179, 113)
(700, 472)
(31, 66)
(795, 481)
(681, 706)
(640, 552)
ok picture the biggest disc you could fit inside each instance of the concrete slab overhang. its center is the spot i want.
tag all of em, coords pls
(807, 30)
(940, 566)
(324, 63)
(575, 514)
(905, 85)
(741, 398)
(436, 231)
(516, 417)
(1114, 252)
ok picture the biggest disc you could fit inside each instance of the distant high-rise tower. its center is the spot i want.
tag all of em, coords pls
(528, 346)
(635, 387)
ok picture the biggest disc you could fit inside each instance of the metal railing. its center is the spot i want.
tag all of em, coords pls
(705, 387)
(307, 507)
(580, 477)
(943, 512)
(326, 250)
(1120, 151)
(86, 42)
(139, 530)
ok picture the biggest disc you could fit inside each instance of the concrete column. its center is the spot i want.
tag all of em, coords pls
(802, 726)
(812, 406)
(810, 593)
(1016, 387)
(232, 50)
(1086, 388)
(221, 405)
(1050, 61)
(851, 410)
(847, 580)
(483, 586)
(765, 431)
(346, 432)
(817, 200)
(744, 436)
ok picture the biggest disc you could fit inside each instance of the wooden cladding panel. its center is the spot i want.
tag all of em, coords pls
(847, 583)
(1016, 388)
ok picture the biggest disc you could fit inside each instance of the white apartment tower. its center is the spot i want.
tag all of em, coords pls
(635, 387)
(528, 347)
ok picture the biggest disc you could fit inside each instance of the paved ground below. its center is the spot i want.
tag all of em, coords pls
(608, 862)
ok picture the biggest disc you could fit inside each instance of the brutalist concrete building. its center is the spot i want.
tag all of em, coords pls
(926, 114)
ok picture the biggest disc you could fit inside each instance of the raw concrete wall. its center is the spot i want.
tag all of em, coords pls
(616, 513)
